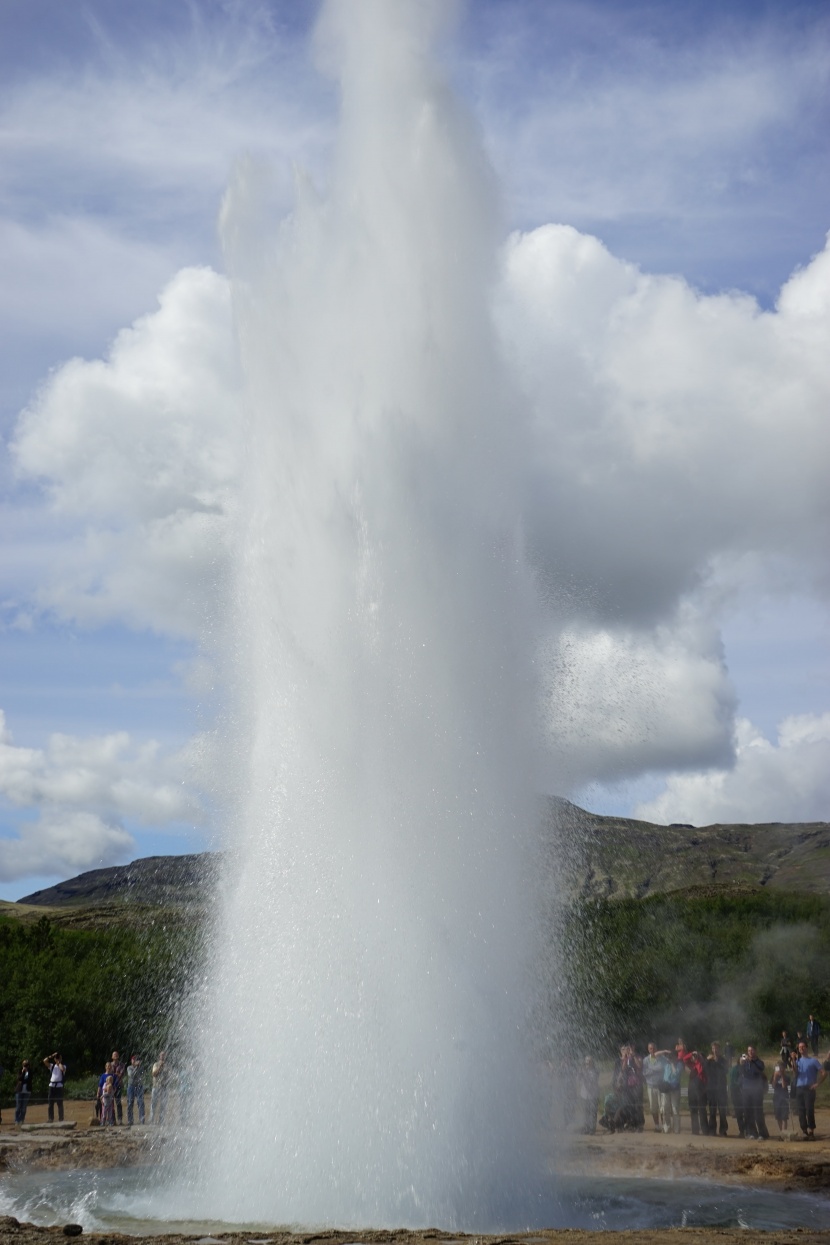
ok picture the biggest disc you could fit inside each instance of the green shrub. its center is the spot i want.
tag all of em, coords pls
(87, 992)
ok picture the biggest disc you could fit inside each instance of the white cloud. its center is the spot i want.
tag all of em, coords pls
(674, 435)
(672, 429)
(785, 780)
(62, 843)
(623, 703)
(83, 789)
(138, 456)
(108, 773)
(678, 437)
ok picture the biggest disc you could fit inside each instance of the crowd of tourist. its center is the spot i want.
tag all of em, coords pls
(719, 1084)
(117, 1077)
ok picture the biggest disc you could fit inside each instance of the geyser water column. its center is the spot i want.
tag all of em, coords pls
(364, 1043)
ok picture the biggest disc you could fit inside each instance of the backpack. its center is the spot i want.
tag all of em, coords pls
(671, 1076)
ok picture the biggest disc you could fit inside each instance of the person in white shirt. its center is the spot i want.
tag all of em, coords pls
(57, 1076)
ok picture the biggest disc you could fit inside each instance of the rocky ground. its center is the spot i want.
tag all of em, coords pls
(784, 1164)
(12, 1233)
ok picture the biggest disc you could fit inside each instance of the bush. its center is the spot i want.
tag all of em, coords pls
(738, 968)
(87, 992)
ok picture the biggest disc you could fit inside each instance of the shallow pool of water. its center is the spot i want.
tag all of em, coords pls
(135, 1201)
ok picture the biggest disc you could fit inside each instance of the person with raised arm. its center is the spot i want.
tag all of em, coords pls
(736, 1095)
(22, 1092)
(57, 1077)
(754, 1087)
(693, 1062)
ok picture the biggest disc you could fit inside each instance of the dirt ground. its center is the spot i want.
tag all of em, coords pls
(787, 1164)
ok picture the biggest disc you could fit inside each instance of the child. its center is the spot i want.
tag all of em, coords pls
(781, 1099)
(108, 1102)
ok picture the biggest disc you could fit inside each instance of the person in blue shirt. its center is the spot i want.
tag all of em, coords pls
(808, 1075)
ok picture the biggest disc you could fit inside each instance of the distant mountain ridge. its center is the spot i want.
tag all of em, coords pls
(590, 855)
(164, 881)
(618, 857)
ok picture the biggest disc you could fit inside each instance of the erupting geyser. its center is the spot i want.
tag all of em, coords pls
(364, 1037)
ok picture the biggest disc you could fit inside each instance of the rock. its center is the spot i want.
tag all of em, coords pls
(72, 1229)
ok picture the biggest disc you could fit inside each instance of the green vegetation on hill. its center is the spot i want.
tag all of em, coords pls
(735, 966)
(85, 991)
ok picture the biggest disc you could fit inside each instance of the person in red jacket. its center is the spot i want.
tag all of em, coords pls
(695, 1066)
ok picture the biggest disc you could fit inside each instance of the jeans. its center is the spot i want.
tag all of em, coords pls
(739, 1114)
(806, 1099)
(55, 1096)
(671, 1108)
(654, 1102)
(21, 1102)
(135, 1095)
(697, 1106)
(756, 1125)
(716, 1104)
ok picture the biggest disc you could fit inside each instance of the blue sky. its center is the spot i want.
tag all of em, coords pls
(690, 140)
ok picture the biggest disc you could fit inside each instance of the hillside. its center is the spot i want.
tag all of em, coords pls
(591, 856)
(617, 857)
(669, 929)
(153, 880)
(169, 889)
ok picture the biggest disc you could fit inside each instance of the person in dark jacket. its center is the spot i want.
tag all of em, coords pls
(813, 1034)
(22, 1091)
(736, 1094)
(627, 1084)
(716, 1103)
(754, 1088)
(118, 1071)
